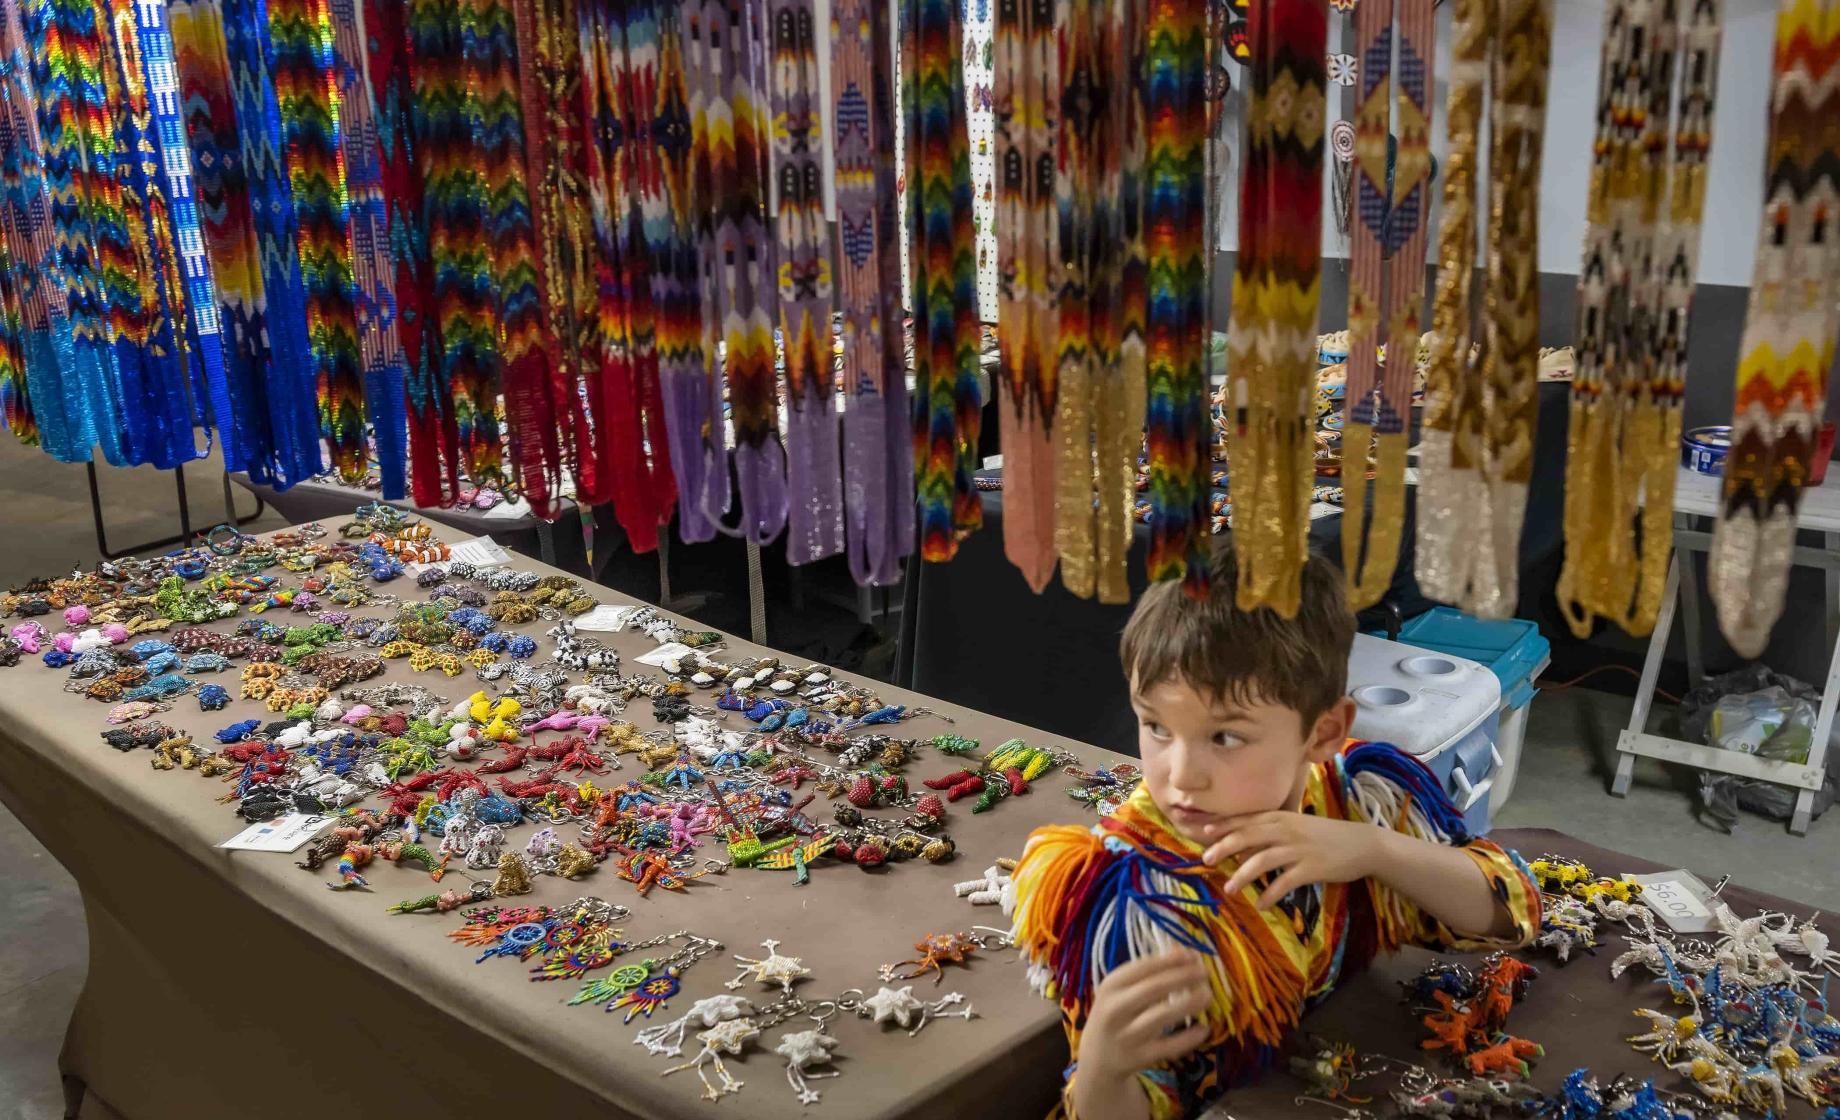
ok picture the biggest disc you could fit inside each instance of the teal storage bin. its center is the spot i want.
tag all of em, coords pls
(1513, 649)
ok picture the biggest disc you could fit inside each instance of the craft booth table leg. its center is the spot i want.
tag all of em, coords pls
(1823, 727)
(1689, 600)
(1651, 669)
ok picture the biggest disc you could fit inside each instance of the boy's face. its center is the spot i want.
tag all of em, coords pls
(1206, 758)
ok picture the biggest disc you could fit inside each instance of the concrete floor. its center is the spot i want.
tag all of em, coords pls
(45, 520)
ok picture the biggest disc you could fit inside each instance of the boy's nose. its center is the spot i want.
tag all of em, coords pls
(1185, 769)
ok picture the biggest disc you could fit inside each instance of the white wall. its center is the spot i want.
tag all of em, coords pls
(1740, 124)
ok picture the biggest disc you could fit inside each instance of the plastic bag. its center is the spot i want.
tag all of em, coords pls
(1770, 723)
(1755, 710)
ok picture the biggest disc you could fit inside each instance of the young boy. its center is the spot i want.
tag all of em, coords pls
(1263, 858)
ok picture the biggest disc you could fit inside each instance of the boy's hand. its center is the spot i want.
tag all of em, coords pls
(1137, 1015)
(1302, 847)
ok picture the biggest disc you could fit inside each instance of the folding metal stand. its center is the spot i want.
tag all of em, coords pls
(185, 515)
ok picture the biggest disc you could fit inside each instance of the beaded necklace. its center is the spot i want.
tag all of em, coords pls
(670, 235)
(196, 323)
(815, 517)
(943, 258)
(292, 397)
(1027, 92)
(738, 295)
(628, 183)
(879, 462)
(300, 35)
(1634, 293)
(33, 386)
(455, 209)
(433, 433)
(533, 393)
(1100, 357)
(65, 52)
(1788, 331)
(1276, 288)
(373, 272)
(550, 84)
(1477, 450)
(226, 235)
(1386, 283)
(128, 217)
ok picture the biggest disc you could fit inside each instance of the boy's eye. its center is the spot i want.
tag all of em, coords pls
(1156, 730)
(1227, 739)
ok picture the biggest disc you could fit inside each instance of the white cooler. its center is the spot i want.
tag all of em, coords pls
(1442, 710)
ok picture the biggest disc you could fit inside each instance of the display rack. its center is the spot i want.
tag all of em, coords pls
(1696, 498)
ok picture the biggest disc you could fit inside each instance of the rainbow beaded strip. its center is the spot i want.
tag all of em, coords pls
(1177, 418)
(943, 259)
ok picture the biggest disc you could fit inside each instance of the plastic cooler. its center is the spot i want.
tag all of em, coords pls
(1439, 709)
(1513, 649)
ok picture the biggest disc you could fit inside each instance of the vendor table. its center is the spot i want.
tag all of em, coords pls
(326, 498)
(222, 983)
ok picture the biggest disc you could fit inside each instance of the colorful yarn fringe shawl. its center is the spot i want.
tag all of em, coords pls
(1788, 345)
(1387, 282)
(1635, 289)
(1100, 352)
(1178, 423)
(373, 270)
(1027, 93)
(879, 466)
(1477, 447)
(1090, 900)
(943, 259)
(1276, 290)
(301, 63)
(815, 511)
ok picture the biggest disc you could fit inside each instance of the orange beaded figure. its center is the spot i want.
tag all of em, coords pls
(1506, 1055)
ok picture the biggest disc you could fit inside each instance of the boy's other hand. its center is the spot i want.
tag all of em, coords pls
(1137, 1015)
(1300, 848)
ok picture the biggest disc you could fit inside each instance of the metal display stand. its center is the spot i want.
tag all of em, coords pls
(1696, 496)
(185, 515)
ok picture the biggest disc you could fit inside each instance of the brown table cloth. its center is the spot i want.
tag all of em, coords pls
(232, 983)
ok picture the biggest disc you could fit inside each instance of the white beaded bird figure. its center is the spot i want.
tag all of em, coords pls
(803, 1049)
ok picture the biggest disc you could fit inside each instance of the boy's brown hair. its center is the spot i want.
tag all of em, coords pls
(1244, 656)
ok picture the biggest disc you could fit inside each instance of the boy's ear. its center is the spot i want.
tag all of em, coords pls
(1331, 730)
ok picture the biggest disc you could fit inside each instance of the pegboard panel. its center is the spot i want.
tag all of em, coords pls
(981, 121)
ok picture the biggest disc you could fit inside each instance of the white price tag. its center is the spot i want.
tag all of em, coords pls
(1679, 898)
(283, 834)
(603, 618)
(481, 552)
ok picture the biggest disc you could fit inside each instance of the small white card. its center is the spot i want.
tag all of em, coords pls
(1679, 898)
(603, 618)
(283, 834)
(480, 552)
